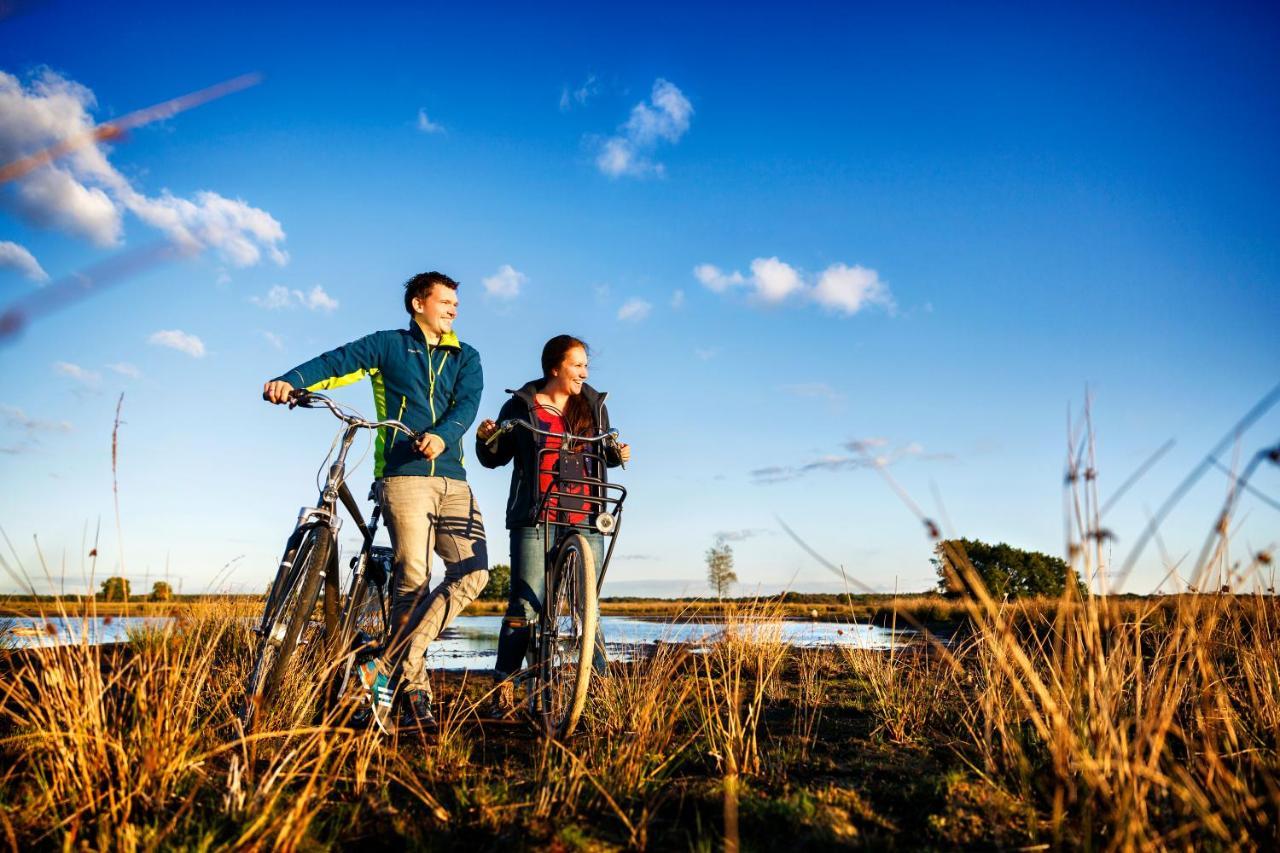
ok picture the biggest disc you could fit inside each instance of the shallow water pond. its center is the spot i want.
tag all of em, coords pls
(471, 641)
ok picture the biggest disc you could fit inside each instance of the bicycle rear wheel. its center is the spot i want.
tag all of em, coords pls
(567, 638)
(363, 626)
(289, 609)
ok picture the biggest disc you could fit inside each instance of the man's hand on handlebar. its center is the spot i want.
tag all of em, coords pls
(430, 445)
(277, 391)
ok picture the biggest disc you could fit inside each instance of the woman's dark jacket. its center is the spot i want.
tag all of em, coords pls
(522, 446)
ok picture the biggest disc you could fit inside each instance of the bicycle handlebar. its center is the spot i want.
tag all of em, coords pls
(610, 436)
(310, 400)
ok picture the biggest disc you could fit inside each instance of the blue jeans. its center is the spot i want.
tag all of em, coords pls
(524, 604)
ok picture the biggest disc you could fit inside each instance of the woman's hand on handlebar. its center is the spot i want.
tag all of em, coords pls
(278, 391)
(624, 452)
(486, 429)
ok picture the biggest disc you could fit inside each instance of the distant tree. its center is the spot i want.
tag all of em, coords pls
(1004, 569)
(115, 589)
(161, 591)
(720, 574)
(499, 585)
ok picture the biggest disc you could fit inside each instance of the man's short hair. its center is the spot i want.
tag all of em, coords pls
(419, 287)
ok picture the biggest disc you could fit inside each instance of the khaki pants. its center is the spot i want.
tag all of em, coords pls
(426, 515)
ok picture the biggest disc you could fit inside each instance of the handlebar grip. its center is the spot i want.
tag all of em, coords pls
(502, 429)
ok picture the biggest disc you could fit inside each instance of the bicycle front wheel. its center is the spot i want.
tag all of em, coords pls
(289, 610)
(568, 637)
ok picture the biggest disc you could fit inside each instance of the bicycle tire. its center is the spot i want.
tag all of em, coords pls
(295, 599)
(364, 612)
(568, 638)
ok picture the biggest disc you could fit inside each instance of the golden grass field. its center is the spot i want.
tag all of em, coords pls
(1094, 724)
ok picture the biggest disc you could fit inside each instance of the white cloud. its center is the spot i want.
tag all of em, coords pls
(17, 258)
(850, 289)
(840, 287)
(82, 194)
(665, 118)
(51, 197)
(18, 419)
(280, 296)
(713, 279)
(774, 280)
(179, 340)
(634, 310)
(706, 354)
(505, 283)
(124, 368)
(78, 373)
(677, 299)
(275, 340)
(426, 125)
(318, 300)
(588, 90)
(239, 232)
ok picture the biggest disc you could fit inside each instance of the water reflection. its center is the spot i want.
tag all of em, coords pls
(24, 632)
(471, 641)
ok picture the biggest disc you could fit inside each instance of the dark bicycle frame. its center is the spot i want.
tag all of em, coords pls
(599, 498)
(339, 627)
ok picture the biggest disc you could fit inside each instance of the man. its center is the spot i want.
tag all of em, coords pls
(428, 379)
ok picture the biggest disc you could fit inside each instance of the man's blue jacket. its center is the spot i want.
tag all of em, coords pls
(434, 389)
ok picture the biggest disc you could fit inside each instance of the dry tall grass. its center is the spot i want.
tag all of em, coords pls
(1108, 725)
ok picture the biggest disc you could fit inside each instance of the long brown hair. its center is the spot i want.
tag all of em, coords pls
(578, 417)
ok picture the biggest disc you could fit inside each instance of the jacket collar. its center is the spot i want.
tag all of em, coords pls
(449, 340)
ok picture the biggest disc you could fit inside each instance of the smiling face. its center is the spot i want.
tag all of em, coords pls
(436, 311)
(572, 372)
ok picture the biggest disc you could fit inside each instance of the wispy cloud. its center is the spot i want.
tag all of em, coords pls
(275, 340)
(677, 299)
(634, 310)
(505, 283)
(706, 353)
(818, 390)
(663, 119)
(20, 260)
(839, 288)
(126, 369)
(742, 534)
(715, 280)
(17, 418)
(580, 95)
(179, 340)
(82, 194)
(426, 125)
(85, 377)
(280, 296)
(861, 454)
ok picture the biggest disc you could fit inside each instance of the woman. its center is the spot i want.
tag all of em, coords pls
(560, 402)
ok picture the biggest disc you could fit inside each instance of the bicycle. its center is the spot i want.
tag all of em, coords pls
(561, 655)
(354, 624)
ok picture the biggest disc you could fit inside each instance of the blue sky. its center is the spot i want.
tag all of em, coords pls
(782, 228)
